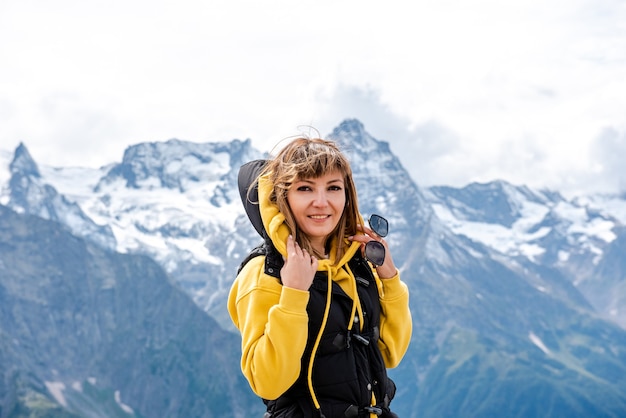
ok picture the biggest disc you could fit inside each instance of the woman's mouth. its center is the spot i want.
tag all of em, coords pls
(319, 217)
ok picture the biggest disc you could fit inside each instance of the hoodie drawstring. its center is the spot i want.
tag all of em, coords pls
(355, 305)
(329, 292)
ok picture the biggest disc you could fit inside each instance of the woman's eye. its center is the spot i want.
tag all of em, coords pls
(303, 188)
(334, 188)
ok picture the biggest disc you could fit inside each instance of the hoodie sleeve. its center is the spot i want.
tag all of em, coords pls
(273, 323)
(396, 325)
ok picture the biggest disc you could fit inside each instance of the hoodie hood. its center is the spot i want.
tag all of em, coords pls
(269, 222)
(247, 178)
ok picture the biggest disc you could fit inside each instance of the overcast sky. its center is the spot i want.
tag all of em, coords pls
(530, 91)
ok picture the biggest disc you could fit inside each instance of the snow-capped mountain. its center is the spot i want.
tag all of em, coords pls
(574, 237)
(508, 285)
(174, 201)
(28, 192)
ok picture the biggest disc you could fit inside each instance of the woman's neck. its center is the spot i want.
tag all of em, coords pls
(320, 248)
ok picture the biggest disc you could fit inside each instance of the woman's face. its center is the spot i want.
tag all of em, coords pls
(317, 205)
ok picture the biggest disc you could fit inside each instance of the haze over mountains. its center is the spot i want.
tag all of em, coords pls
(518, 295)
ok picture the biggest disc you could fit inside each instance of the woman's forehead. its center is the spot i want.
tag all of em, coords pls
(334, 175)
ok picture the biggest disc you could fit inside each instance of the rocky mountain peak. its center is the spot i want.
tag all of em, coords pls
(176, 164)
(23, 164)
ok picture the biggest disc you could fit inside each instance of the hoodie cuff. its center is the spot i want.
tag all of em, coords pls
(393, 287)
(293, 300)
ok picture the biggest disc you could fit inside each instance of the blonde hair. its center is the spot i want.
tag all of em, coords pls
(305, 158)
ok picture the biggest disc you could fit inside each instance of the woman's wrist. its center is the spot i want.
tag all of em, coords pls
(386, 273)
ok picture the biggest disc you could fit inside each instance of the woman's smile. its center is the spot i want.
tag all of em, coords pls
(319, 217)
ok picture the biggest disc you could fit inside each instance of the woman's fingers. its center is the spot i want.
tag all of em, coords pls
(299, 268)
(292, 247)
(367, 236)
(294, 250)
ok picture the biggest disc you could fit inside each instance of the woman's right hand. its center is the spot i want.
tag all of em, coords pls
(300, 267)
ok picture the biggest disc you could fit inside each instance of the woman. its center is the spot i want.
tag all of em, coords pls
(319, 323)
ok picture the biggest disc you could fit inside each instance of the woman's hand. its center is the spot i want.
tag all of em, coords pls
(386, 270)
(300, 267)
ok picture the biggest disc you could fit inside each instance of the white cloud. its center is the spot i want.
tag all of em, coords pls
(420, 148)
(465, 90)
(609, 152)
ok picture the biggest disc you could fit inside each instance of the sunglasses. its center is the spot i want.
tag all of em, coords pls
(375, 250)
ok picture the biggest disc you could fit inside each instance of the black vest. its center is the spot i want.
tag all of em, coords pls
(348, 365)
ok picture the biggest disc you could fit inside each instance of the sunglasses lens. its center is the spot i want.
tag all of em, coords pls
(375, 253)
(379, 225)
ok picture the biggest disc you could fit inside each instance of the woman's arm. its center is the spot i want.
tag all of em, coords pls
(396, 324)
(273, 323)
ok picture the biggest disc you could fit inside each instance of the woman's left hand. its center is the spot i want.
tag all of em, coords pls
(387, 270)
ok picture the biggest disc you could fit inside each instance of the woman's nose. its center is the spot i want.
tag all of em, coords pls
(320, 199)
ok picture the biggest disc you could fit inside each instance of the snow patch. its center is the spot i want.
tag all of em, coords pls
(56, 390)
(531, 250)
(513, 241)
(600, 228)
(125, 408)
(612, 205)
(537, 341)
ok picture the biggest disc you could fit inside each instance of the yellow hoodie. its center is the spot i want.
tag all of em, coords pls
(273, 319)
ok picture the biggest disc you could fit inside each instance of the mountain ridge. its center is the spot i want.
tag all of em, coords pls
(505, 310)
(87, 324)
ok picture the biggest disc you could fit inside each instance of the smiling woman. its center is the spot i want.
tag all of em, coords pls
(320, 325)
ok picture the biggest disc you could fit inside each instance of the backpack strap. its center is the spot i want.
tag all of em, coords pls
(273, 259)
(256, 251)
(362, 270)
